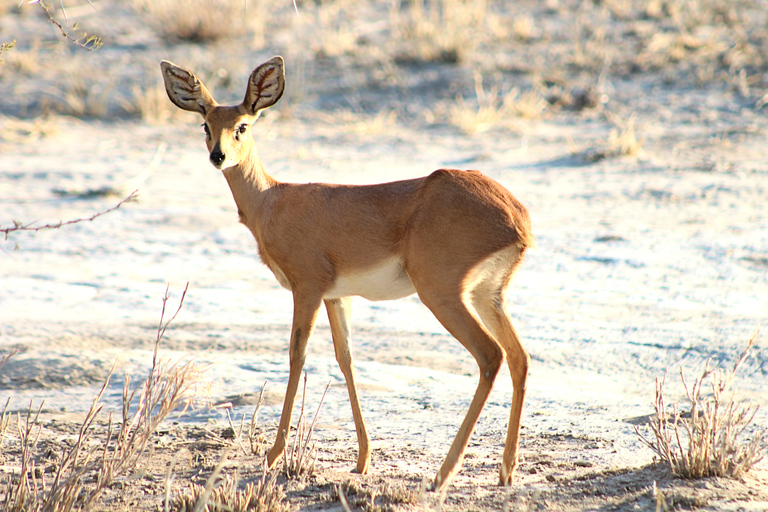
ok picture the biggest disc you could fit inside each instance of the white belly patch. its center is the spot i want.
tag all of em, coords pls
(386, 281)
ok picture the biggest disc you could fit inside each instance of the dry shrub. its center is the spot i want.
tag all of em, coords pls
(86, 99)
(437, 30)
(81, 89)
(708, 442)
(331, 26)
(90, 466)
(194, 20)
(299, 459)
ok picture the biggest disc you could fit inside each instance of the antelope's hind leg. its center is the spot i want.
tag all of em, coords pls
(450, 306)
(489, 302)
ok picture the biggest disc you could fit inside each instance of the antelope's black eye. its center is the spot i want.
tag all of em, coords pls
(207, 131)
(242, 128)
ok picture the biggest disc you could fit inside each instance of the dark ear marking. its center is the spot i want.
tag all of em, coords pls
(265, 85)
(185, 90)
(260, 89)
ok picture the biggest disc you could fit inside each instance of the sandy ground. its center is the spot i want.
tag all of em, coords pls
(645, 264)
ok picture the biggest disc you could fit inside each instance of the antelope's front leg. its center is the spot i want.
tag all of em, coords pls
(338, 315)
(304, 315)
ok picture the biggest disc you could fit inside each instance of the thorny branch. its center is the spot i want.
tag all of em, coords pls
(18, 226)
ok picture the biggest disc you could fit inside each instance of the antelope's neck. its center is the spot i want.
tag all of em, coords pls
(249, 184)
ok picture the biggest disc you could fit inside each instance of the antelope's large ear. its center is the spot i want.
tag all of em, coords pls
(265, 86)
(185, 90)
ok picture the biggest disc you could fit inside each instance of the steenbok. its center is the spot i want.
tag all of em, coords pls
(454, 237)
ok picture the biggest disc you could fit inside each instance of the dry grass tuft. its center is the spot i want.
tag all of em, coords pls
(153, 106)
(194, 20)
(299, 460)
(622, 141)
(264, 496)
(23, 131)
(495, 109)
(353, 495)
(708, 442)
(84, 92)
(91, 466)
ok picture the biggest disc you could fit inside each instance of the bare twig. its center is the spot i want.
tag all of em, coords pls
(18, 226)
(6, 357)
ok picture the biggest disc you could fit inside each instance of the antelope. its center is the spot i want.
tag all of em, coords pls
(453, 237)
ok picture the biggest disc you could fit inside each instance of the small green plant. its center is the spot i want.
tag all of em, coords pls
(708, 443)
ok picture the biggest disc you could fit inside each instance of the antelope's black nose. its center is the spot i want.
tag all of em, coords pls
(217, 157)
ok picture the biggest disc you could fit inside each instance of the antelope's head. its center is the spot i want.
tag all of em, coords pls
(227, 128)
